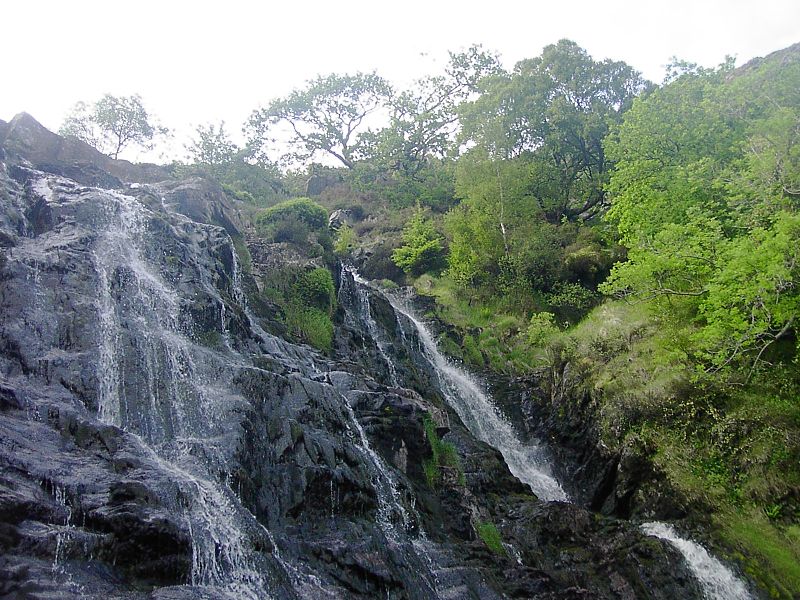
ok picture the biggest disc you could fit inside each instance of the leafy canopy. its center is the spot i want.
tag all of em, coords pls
(422, 250)
(112, 124)
(327, 117)
(554, 111)
(705, 197)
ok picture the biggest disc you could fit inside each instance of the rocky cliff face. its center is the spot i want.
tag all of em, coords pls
(157, 442)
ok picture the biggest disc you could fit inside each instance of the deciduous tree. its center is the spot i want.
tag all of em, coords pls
(112, 124)
(328, 117)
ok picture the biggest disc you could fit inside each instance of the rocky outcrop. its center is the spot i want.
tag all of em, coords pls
(25, 137)
(157, 442)
(560, 405)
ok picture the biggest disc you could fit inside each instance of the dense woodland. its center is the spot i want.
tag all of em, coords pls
(565, 211)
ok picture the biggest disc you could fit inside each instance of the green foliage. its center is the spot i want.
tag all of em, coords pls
(327, 117)
(541, 328)
(307, 300)
(753, 299)
(303, 209)
(113, 123)
(315, 288)
(345, 240)
(443, 455)
(212, 147)
(293, 221)
(309, 324)
(553, 112)
(488, 532)
(471, 353)
(571, 298)
(732, 450)
(424, 118)
(213, 154)
(422, 250)
(769, 556)
(704, 200)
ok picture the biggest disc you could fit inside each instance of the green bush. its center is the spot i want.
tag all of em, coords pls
(345, 240)
(315, 289)
(303, 209)
(571, 297)
(287, 228)
(423, 250)
(541, 328)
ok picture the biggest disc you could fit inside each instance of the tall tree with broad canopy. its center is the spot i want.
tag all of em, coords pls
(327, 117)
(112, 124)
(424, 119)
(553, 112)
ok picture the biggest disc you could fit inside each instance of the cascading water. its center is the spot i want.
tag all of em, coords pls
(145, 413)
(364, 312)
(466, 396)
(717, 580)
(389, 506)
(173, 413)
(528, 462)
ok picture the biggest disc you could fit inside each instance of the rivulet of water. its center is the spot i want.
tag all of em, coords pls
(717, 581)
(528, 462)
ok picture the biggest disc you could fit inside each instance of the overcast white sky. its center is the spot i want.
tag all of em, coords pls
(199, 62)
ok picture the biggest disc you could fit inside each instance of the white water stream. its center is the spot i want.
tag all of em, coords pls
(172, 412)
(717, 580)
(529, 463)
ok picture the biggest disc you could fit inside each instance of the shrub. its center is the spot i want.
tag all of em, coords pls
(309, 324)
(315, 289)
(345, 240)
(286, 229)
(302, 209)
(571, 298)
(292, 221)
(423, 250)
(541, 328)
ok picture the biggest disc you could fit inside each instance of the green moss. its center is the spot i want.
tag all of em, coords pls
(769, 555)
(472, 354)
(450, 348)
(443, 454)
(487, 531)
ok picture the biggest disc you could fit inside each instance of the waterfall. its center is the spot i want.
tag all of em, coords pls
(155, 383)
(528, 462)
(717, 580)
(364, 312)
